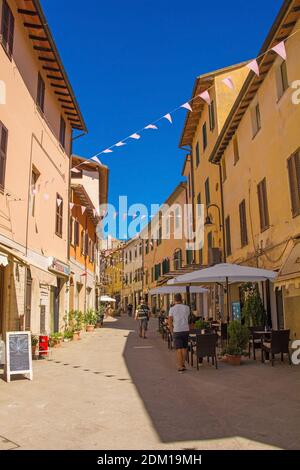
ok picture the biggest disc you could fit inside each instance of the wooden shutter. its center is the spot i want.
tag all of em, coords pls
(236, 152)
(294, 179)
(212, 121)
(263, 205)
(7, 28)
(228, 236)
(243, 224)
(3, 154)
(207, 192)
(197, 154)
(62, 132)
(40, 98)
(204, 136)
(11, 32)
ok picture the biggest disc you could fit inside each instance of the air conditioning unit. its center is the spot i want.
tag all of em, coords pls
(214, 256)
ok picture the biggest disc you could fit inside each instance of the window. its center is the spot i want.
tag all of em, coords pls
(159, 238)
(282, 79)
(177, 218)
(212, 120)
(91, 251)
(236, 153)
(62, 132)
(157, 272)
(72, 231)
(141, 248)
(197, 155)
(166, 266)
(204, 136)
(3, 154)
(189, 256)
(256, 120)
(7, 29)
(147, 246)
(228, 236)
(40, 96)
(294, 178)
(82, 242)
(59, 216)
(207, 192)
(224, 173)
(34, 178)
(177, 259)
(243, 224)
(130, 256)
(263, 205)
(76, 233)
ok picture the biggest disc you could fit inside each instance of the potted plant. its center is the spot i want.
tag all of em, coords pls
(253, 311)
(74, 323)
(90, 320)
(55, 340)
(68, 336)
(238, 337)
(34, 345)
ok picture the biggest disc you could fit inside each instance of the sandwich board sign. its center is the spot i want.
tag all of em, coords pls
(18, 354)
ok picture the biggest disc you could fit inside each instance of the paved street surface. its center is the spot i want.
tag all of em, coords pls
(113, 390)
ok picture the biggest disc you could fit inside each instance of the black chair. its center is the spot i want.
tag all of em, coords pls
(254, 339)
(206, 346)
(279, 345)
(223, 334)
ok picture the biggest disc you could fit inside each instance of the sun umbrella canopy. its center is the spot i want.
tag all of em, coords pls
(106, 298)
(223, 273)
(176, 290)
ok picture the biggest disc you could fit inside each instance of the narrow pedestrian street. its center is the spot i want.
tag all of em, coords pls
(113, 390)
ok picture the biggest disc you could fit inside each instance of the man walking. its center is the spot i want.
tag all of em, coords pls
(179, 326)
(142, 314)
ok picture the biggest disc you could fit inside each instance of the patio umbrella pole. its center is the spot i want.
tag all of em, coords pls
(227, 300)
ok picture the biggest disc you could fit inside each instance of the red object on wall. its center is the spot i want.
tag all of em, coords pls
(43, 346)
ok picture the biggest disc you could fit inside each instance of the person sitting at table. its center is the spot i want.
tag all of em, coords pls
(179, 326)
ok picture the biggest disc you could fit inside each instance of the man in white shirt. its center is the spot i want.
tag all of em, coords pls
(179, 325)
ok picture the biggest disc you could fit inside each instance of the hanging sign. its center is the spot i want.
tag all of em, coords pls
(18, 354)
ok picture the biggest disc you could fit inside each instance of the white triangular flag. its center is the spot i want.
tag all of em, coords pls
(187, 106)
(59, 202)
(228, 82)
(169, 118)
(120, 144)
(94, 212)
(253, 65)
(96, 159)
(74, 170)
(72, 205)
(205, 96)
(83, 209)
(280, 50)
(107, 151)
(135, 136)
(151, 126)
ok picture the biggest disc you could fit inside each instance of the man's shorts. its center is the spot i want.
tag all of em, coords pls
(144, 324)
(181, 340)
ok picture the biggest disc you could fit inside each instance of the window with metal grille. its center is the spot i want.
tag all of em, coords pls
(294, 180)
(7, 29)
(243, 223)
(3, 154)
(263, 205)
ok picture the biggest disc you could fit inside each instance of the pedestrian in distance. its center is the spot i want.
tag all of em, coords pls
(179, 326)
(129, 310)
(142, 314)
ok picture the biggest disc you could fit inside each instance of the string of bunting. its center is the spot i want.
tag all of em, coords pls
(252, 65)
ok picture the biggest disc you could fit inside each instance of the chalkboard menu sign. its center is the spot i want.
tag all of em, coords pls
(18, 354)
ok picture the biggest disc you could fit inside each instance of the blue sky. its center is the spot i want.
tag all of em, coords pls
(132, 61)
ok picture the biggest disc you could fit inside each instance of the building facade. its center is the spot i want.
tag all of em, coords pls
(133, 262)
(36, 123)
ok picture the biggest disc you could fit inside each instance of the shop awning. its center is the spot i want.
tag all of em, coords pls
(43, 276)
(290, 271)
(165, 290)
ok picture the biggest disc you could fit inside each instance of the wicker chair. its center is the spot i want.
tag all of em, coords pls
(279, 345)
(206, 346)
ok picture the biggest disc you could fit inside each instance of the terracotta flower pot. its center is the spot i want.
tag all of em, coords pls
(76, 335)
(90, 328)
(234, 360)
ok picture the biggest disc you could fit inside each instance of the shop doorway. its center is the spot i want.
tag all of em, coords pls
(55, 300)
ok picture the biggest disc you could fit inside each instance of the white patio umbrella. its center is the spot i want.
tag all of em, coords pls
(164, 290)
(224, 274)
(106, 298)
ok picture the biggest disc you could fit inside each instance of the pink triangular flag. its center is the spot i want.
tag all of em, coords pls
(151, 126)
(74, 170)
(169, 118)
(83, 209)
(59, 202)
(120, 144)
(135, 136)
(72, 205)
(107, 151)
(187, 106)
(228, 82)
(205, 96)
(280, 50)
(253, 65)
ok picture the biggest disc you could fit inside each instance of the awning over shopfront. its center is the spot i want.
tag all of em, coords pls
(106, 298)
(43, 276)
(290, 271)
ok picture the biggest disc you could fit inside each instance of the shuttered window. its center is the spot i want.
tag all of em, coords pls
(282, 79)
(236, 153)
(224, 172)
(207, 192)
(228, 236)
(294, 178)
(263, 205)
(204, 136)
(40, 96)
(7, 29)
(76, 233)
(256, 119)
(59, 216)
(3, 154)
(197, 154)
(62, 132)
(212, 120)
(243, 223)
